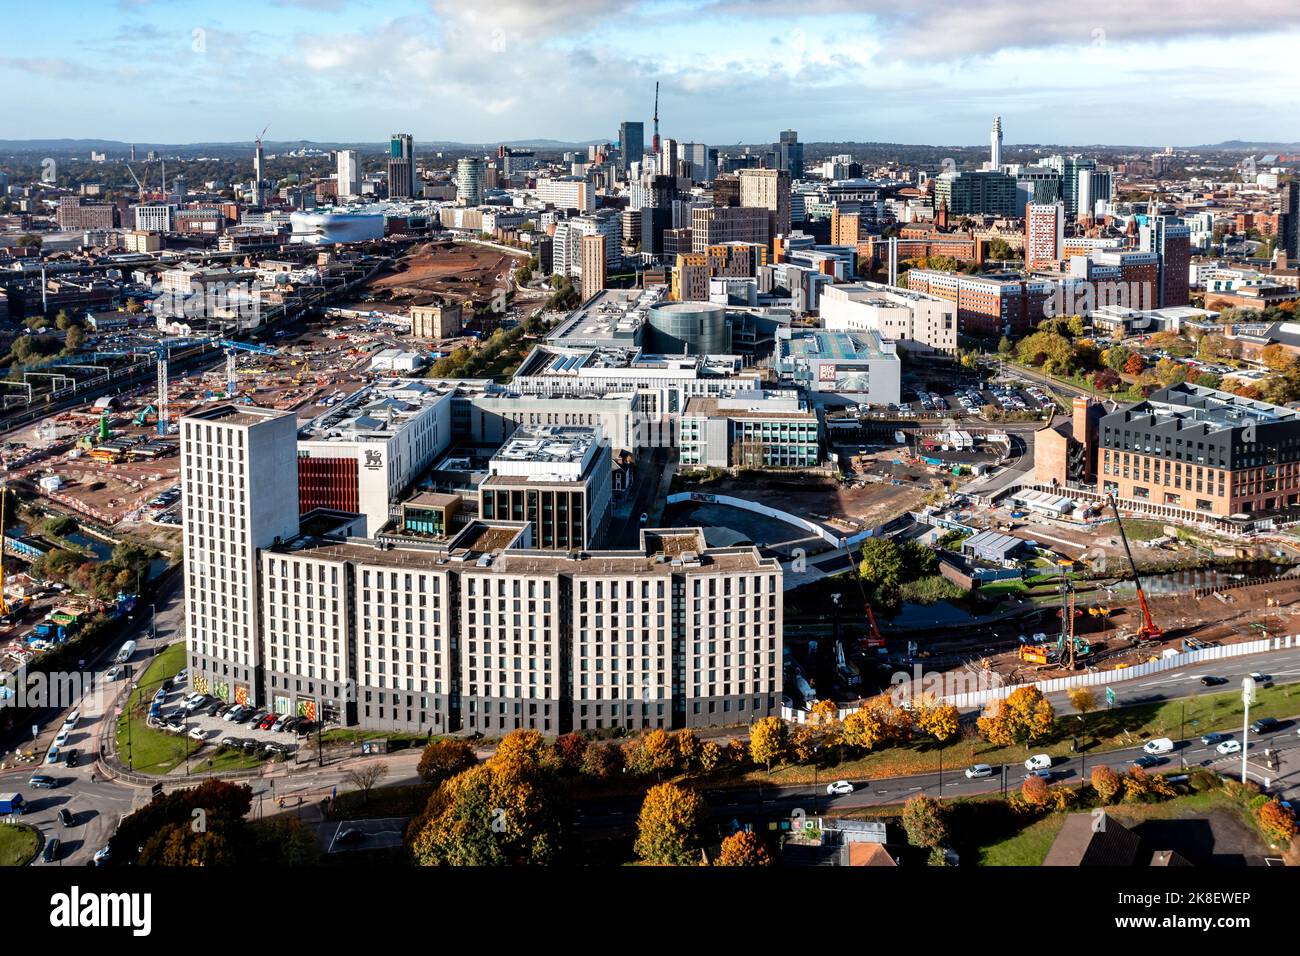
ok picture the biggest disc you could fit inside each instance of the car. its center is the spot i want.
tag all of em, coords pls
(350, 836)
(115, 673)
(102, 856)
(221, 708)
(1213, 681)
(1263, 680)
(195, 703)
(42, 781)
(166, 684)
(1229, 747)
(198, 733)
(1265, 725)
(232, 711)
(61, 738)
(1038, 762)
(1147, 761)
(305, 727)
(978, 770)
(1160, 745)
(53, 755)
(291, 724)
(1213, 738)
(160, 696)
(229, 741)
(70, 722)
(645, 517)
(839, 788)
(267, 722)
(174, 726)
(71, 759)
(51, 850)
(66, 817)
(280, 722)
(1041, 774)
(183, 674)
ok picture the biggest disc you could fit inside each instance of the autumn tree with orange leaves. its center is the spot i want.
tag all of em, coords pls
(670, 827)
(1024, 716)
(743, 848)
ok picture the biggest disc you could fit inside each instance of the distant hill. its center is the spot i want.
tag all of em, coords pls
(116, 149)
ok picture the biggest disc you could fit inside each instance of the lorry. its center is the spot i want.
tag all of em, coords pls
(12, 804)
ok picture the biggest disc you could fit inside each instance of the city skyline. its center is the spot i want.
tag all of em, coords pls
(731, 72)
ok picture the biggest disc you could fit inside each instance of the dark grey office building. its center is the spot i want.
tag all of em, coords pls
(631, 143)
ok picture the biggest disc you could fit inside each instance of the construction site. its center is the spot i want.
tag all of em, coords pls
(1069, 619)
(446, 271)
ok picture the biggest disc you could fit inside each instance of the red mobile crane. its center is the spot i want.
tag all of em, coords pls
(1147, 630)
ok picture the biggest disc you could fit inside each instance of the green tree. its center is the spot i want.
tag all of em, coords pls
(1116, 357)
(1005, 348)
(1000, 250)
(923, 820)
(882, 563)
(1051, 350)
(75, 339)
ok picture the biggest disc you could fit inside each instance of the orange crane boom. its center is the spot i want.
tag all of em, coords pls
(1147, 630)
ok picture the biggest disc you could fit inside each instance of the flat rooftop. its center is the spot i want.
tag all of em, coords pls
(375, 411)
(712, 408)
(239, 414)
(548, 443)
(833, 346)
(1216, 409)
(612, 315)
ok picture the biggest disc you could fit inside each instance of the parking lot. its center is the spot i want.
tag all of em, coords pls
(970, 400)
(207, 723)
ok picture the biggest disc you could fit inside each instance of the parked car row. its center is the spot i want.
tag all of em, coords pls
(265, 720)
(250, 745)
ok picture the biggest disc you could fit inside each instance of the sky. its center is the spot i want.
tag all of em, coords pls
(1141, 72)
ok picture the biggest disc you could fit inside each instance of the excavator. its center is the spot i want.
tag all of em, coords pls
(1147, 629)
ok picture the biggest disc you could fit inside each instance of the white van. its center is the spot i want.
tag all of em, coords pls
(1161, 745)
(1038, 762)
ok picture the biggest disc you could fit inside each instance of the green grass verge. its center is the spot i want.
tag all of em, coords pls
(146, 749)
(1027, 848)
(18, 844)
(1000, 588)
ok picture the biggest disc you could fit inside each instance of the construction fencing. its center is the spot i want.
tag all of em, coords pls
(1099, 678)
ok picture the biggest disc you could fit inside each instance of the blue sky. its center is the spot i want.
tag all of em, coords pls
(922, 71)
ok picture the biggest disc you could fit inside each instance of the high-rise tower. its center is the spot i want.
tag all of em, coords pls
(995, 144)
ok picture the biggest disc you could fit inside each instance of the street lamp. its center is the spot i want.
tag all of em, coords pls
(1182, 736)
(1247, 698)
